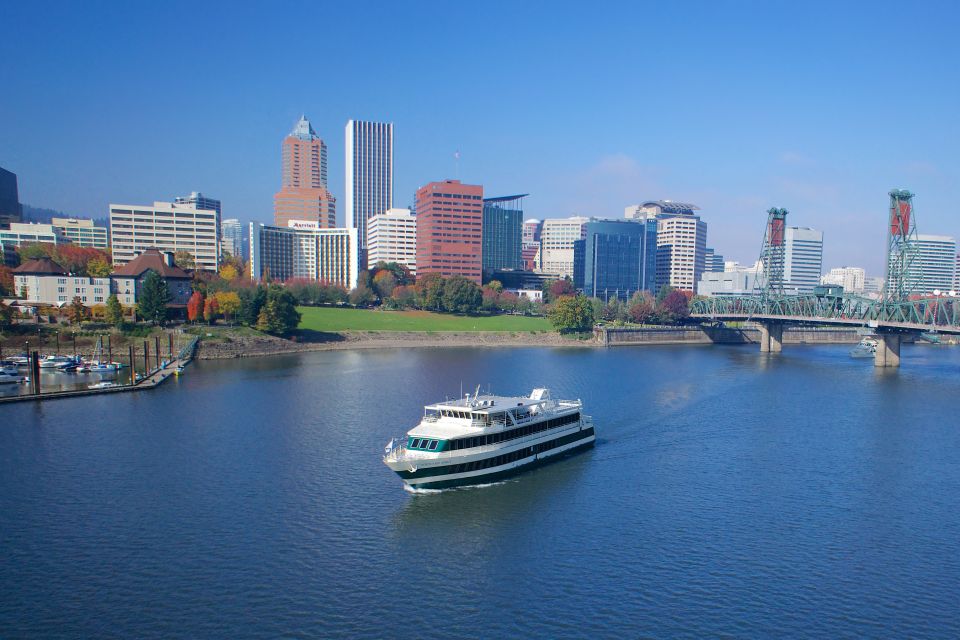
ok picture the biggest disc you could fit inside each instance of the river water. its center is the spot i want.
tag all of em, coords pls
(804, 494)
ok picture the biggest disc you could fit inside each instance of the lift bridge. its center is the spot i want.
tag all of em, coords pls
(899, 312)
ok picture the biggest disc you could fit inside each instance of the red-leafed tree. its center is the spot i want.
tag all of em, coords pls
(560, 288)
(195, 307)
(211, 308)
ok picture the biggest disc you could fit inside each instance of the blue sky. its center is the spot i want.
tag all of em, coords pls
(737, 106)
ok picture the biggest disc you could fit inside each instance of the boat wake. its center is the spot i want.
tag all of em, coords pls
(424, 492)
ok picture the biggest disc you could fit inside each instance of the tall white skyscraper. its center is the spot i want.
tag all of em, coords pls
(803, 259)
(369, 173)
(936, 261)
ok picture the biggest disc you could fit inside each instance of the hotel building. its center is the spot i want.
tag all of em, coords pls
(392, 237)
(450, 229)
(304, 249)
(168, 227)
(303, 194)
(368, 174)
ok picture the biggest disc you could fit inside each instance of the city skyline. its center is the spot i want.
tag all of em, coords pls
(784, 124)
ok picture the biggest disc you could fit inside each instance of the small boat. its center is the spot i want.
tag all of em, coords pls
(178, 371)
(21, 360)
(67, 367)
(8, 378)
(103, 385)
(484, 438)
(53, 362)
(866, 348)
(8, 366)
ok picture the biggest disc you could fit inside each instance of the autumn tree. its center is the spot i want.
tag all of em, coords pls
(210, 309)
(403, 296)
(676, 306)
(77, 312)
(384, 283)
(184, 259)
(6, 280)
(98, 268)
(229, 273)
(430, 291)
(643, 307)
(228, 303)
(195, 306)
(362, 296)
(557, 288)
(572, 313)
(114, 312)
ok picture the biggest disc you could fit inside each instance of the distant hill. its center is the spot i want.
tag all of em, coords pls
(39, 214)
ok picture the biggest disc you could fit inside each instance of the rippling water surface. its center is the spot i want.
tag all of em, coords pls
(798, 495)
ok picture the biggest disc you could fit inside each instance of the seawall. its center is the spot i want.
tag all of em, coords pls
(624, 336)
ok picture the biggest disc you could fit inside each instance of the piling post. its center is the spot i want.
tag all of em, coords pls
(888, 350)
(35, 373)
(146, 358)
(133, 365)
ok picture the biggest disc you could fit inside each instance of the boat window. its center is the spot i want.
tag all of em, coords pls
(415, 444)
(433, 445)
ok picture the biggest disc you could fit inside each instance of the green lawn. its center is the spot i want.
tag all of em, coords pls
(334, 319)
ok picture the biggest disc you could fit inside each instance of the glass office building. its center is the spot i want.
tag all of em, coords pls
(616, 258)
(502, 233)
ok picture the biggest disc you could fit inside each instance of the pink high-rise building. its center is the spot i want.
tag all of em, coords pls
(303, 194)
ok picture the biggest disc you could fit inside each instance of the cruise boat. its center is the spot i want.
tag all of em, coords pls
(483, 438)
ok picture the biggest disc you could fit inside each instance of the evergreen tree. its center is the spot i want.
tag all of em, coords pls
(114, 311)
(153, 299)
(461, 295)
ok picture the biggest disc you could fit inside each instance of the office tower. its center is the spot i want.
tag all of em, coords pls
(10, 209)
(20, 233)
(392, 237)
(82, 233)
(712, 261)
(852, 279)
(530, 246)
(556, 244)
(657, 208)
(936, 263)
(200, 201)
(502, 233)
(368, 173)
(168, 227)
(450, 229)
(956, 275)
(803, 259)
(304, 250)
(681, 249)
(303, 194)
(531, 231)
(616, 258)
(231, 237)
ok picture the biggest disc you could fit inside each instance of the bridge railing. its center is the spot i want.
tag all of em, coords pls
(932, 311)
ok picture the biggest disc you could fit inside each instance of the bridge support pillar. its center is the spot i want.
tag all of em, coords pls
(771, 337)
(888, 350)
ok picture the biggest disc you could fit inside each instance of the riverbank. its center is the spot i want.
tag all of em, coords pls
(225, 345)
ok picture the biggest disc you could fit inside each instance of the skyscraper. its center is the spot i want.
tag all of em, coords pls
(231, 237)
(392, 237)
(616, 258)
(10, 209)
(450, 229)
(502, 232)
(303, 194)
(803, 259)
(681, 250)
(368, 173)
(936, 262)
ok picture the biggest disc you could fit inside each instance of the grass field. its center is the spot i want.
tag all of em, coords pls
(333, 319)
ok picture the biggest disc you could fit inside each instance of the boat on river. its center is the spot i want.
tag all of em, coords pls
(483, 438)
(55, 362)
(866, 348)
(11, 378)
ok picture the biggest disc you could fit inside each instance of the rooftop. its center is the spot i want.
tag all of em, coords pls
(151, 259)
(40, 266)
(304, 130)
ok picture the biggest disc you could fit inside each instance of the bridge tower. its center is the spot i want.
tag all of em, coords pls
(903, 273)
(769, 280)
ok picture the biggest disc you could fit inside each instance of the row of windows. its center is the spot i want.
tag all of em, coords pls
(511, 434)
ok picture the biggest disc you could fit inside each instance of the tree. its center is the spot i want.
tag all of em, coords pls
(643, 308)
(676, 306)
(153, 298)
(384, 283)
(558, 288)
(229, 273)
(362, 296)
(98, 268)
(229, 303)
(211, 309)
(430, 291)
(6, 315)
(496, 285)
(572, 313)
(114, 312)
(6, 280)
(195, 306)
(184, 260)
(461, 295)
(399, 271)
(77, 312)
(403, 296)
(251, 304)
(279, 315)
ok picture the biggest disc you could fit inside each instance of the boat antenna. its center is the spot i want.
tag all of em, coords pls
(476, 394)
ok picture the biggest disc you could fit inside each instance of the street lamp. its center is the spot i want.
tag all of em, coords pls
(58, 341)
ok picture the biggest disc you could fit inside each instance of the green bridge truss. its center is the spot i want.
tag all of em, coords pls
(926, 314)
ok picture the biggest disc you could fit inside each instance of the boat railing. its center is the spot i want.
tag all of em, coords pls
(430, 417)
(395, 449)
